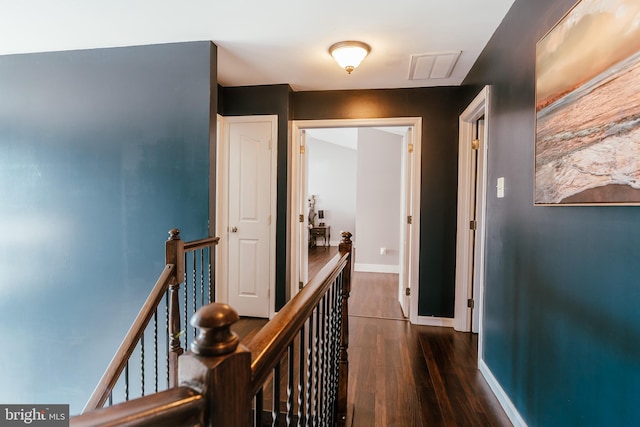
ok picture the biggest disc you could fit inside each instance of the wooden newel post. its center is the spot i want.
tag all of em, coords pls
(174, 254)
(219, 366)
(346, 246)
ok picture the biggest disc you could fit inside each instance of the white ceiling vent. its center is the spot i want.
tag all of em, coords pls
(433, 65)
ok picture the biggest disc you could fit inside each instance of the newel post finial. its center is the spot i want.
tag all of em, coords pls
(346, 236)
(215, 337)
(174, 234)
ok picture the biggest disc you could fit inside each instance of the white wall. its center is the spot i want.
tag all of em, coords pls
(360, 191)
(332, 179)
(378, 200)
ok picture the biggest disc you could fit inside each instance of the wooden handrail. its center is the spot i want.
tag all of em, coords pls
(174, 407)
(219, 377)
(271, 341)
(120, 359)
(199, 244)
(168, 283)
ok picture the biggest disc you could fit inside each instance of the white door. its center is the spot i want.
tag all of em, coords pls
(251, 217)
(476, 204)
(404, 284)
(475, 147)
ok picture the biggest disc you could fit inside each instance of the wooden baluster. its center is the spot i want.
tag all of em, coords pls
(219, 366)
(155, 351)
(309, 377)
(142, 364)
(334, 361)
(275, 398)
(290, 383)
(194, 301)
(174, 254)
(301, 376)
(211, 278)
(259, 409)
(324, 367)
(126, 382)
(202, 277)
(316, 368)
(344, 247)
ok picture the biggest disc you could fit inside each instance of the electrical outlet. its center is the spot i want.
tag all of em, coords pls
(500, 187)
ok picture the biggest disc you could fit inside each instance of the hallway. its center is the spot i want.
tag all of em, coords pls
(406, 375)
(403, 375)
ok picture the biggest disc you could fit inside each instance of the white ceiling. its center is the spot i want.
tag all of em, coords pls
(344, 137)
(268, 42)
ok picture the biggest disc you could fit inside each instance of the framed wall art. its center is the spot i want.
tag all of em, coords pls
(587, 142)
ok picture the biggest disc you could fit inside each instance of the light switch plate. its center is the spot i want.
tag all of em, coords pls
(500, 187)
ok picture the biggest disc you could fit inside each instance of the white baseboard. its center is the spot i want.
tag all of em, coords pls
(505, 402)
(377, 268)
(444, 322)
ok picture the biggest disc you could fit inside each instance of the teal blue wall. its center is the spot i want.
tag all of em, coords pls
(101, 153)
(562, 323)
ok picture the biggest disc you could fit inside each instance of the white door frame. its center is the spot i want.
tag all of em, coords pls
(478, 108)
(222, 201)
(303, 180)
(406, 209)
(294, 202)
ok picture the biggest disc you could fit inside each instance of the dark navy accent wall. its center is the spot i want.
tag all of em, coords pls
(562, 323)
(268, 100)
(101, 153)
(439, 109)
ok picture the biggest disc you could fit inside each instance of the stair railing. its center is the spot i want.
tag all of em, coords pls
(199, 289)
(292, 372)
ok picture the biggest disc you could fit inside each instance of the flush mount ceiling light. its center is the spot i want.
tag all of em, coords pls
(349, 54)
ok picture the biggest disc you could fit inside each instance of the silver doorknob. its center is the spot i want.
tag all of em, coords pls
(234, 229)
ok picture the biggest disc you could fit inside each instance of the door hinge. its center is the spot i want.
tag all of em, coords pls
(471, 303)
(300, 285)
(475, 144)
(473, 225)
(270, 143)
(409, 219)
(410, 148)
(407, 292)
(301, 218)
(302, 149)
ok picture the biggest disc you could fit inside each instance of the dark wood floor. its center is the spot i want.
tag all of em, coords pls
(375, 295)
(406, 375)
(318, 257)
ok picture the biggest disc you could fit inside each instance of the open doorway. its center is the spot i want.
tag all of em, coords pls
(382, 214)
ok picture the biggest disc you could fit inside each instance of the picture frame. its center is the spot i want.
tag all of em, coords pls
(587, 131)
